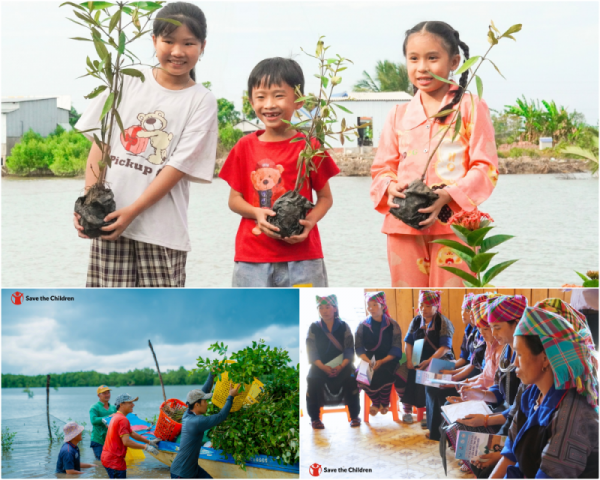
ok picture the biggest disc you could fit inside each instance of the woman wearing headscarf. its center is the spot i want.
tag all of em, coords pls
(379, 336)
(436, 397)
(331, 378)
(554, 433)
(436, 331)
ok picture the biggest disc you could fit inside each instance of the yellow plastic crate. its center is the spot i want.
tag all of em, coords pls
(247, 397)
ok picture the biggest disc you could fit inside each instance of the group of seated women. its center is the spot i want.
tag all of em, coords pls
(536, 368)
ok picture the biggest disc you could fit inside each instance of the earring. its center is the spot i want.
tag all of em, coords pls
(451, 73)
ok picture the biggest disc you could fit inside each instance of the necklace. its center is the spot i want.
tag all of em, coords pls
(155, 75)
(538, 401)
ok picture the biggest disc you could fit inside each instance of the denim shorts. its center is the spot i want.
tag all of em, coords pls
(112, 473)
(305, 273)
(97, 448)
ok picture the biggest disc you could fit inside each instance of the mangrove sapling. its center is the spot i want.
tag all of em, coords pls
(8, 439)
(111, 32)
(418, 195)
(292, 206)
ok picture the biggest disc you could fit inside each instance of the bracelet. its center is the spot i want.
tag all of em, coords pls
(486, 420)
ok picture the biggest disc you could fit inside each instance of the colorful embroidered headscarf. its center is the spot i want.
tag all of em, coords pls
(506, 308)
(433, 298)
(329, 300)
(479, 308)
(573, 365)
(566, 311)
(378, 297)
(468, 302)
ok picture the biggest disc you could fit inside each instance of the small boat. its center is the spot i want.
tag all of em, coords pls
(215, 462)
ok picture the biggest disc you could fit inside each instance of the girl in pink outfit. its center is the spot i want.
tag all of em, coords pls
(463, 173)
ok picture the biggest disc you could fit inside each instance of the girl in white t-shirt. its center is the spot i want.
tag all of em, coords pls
(170, 125)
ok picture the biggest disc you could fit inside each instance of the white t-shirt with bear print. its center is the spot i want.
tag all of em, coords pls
(162, 127)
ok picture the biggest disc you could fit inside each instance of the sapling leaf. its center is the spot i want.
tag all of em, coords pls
(467, 64)
(481, 261)
(582, 276)
(494, 26)
(170, 20)
(497, 69)
(457, 126)
(441, 79)
(461, 232)
(107, 104)
(475, 238)
(97, 91)
(479, 84)
(73, 5)
(100, 49)
(514, 29)
(86, 18)
(493, 241)
(324, 81)
(80, 24)
(97, 141)
(443, 113)
(119, 121)
(98, 5)
(495, 270)
(133, 72)
(492, 38)
(122, 40)
(114, 20)
(80, 39)
(455, 246)
(462, 274)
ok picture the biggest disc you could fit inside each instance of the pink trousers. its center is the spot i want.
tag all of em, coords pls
(415, 263)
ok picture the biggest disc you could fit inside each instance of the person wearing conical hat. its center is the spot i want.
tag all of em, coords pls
(379, 336)
(69, 459)
(435, 332)
(554, 432)
(331, 378)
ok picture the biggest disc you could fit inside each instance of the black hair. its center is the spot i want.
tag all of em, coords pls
(450, 39)
(276, 71)
(534, 344)
(188, 14)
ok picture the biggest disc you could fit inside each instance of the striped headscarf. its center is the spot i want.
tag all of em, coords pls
(378, 297)
(566, 311)
(479, 308)
(329, 300)
(433, 298)
(468, 302)
(506, 308)
(572, 360)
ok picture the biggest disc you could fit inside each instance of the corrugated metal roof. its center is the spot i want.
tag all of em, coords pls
(373, 97)
(62, 101)
(9, 107)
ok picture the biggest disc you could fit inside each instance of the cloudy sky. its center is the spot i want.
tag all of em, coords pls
(555, 57)
(108, 330)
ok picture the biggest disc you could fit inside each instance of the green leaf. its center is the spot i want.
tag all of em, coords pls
(148, 6)
(443, 113)
(457, 126)
(462, 274)
(481, 261)
(170, 20)
(441, 79)
(475, 238)
(324, 81)
(497, 69)
(80, 39)
(73, 5)
(122, 40)
(495, 270)
(132, 72)
(107, 105)
(85, 18)
(96, 92)
(119, 121)
(591, 283)
(114, 20)
(492, 38)
(100, 49)
(98, 5)
(457, 246)
(461, 232)
(467, 64)
(342, 108)
(494, 241)
(514, 29)
(494, 26)
(479, 87)
(582, 276)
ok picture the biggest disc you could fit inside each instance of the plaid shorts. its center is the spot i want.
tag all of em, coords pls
(129, 263)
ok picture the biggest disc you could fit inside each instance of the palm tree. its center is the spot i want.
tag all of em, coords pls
(389, 77)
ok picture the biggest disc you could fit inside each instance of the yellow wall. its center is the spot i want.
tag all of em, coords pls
(403, 302)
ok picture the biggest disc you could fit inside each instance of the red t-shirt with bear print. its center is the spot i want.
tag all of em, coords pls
(262, 172)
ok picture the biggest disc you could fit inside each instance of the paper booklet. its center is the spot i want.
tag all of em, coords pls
(336, 361)
(417, 350)
(460, 410)
(365, 371)
(425, 377)
(471, 445)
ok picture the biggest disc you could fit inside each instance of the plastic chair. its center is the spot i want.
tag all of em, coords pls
(322, 411)
(393, 405)
(420, 412)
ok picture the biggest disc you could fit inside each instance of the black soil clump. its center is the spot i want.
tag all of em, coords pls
(93, 207)
(418, 195)
(290, 208)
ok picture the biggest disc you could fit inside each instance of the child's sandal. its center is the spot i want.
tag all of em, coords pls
(317, 425)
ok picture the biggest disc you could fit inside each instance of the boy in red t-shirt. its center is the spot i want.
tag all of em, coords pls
(263, 166)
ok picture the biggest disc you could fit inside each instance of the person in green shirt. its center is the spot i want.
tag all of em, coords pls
(98, 411)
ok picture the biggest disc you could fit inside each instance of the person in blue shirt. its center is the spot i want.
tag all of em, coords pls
(554, 432)
(69, 459)
(195, 424)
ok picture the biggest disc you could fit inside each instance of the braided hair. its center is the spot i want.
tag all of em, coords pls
(451, 41)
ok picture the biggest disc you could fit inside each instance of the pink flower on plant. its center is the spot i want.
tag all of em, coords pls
(470, 220)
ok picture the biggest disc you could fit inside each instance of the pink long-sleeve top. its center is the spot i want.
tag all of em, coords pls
(485, 379)
(467, 168)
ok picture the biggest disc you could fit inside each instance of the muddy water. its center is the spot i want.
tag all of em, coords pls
(33, 456)
(555, 222)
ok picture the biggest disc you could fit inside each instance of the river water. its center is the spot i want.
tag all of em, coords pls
(554, 219)
(33, 456)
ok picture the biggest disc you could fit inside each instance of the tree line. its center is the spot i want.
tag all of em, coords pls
(145, 376)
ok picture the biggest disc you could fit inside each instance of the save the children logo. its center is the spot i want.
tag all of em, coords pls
(16, 298)
(315, 469)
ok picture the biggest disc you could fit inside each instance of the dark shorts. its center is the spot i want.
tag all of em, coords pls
(112, 473)
(97, 448)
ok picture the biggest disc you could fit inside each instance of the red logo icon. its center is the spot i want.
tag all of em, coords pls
(16, 298)
(315, 469)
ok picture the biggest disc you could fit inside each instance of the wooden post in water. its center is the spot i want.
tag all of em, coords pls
(158, 369)
(48, 405)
